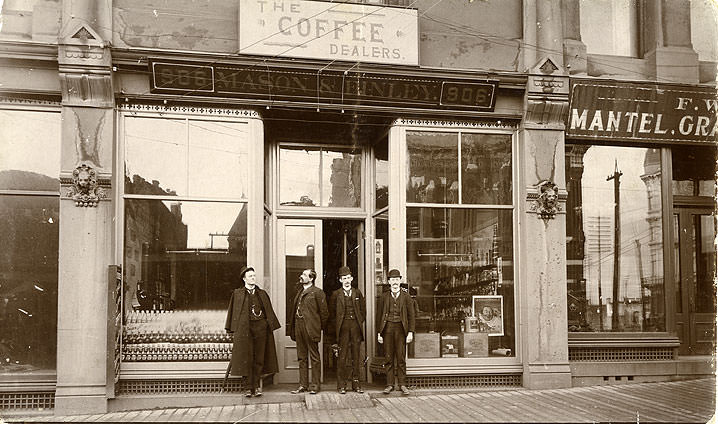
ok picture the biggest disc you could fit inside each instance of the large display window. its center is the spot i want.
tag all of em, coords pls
(185, 234)
(29, 234)
(459, 243)
(615, 268)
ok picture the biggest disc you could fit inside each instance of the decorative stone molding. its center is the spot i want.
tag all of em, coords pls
(80, 88)
(24, 101)
(84, 47)
(546, 96)
(547, 200)
(198, 110)
(487, 123)
(84, 187)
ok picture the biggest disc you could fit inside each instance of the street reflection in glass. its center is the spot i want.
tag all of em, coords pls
(614, 285)
(329, 177)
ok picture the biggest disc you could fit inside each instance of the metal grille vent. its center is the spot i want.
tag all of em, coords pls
(458, 381)
(135, 387)
(620, 354)
(27, 400)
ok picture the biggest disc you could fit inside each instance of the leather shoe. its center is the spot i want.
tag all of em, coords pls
(388, 389)
(358, 389)
(247, 393)
(300, 389)
(404, 390)
(313, 391)
(258, 392)
(343, 391)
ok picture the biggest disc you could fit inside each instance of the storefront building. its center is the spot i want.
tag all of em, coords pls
(154, 149)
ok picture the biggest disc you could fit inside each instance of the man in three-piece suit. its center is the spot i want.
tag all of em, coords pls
(309, 315)
(348, 311)
(396, 330)
(251, 320)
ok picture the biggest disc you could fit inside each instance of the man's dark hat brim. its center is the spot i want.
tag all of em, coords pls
(394, 273)
(244, 271)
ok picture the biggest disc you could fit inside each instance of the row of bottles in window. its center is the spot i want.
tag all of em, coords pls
(141, 336)
(177, 352)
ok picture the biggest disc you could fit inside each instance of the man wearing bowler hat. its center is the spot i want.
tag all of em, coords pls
(251, 319)
(347, 309)
(396, 330)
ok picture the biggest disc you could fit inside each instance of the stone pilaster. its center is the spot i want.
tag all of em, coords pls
(542, 232)
(86, 209)
(668, 49)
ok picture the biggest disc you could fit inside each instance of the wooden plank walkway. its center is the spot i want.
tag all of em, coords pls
(680, 401)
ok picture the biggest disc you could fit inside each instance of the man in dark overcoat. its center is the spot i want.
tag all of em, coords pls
(309, 315)
(252, 320)
(396, 330)
(347, 309)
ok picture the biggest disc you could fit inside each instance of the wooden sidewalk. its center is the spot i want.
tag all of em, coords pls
(680, 401)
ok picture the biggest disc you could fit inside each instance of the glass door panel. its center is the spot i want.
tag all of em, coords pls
(300, 247)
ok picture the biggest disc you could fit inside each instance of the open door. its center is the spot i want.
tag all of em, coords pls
(299, 247)
(695, 256)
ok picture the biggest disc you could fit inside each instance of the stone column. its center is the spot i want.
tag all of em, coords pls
(85, 210)
(574, 50)
(542, 220)
(668, 48)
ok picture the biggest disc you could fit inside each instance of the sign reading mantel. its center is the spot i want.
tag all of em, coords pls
(329, 30)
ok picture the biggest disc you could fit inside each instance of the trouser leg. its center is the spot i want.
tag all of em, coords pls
(344, 335)
(300, 333)
(258, 336)
(356, 351)
(313, 348)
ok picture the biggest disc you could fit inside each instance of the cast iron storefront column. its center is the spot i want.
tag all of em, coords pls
(542, 219)
(85, 210)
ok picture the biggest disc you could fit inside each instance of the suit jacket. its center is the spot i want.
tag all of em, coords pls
(313, 309)
(238, 323)
(337, 307)
(407, 311)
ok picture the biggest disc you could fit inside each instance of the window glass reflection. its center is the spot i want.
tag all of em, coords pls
(381, 174)
(181, 263)
(26, 131)
(433, 167)
(598, 298)
(329, 177)
(694, 170)
(299, 255)
(146, 140)
(215, 146)
(460, 271)
(341, 179)
(486, 168)
(28, 283)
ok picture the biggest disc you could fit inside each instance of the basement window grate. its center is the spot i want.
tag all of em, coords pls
(144, 387)
(27, 401)
(462, 381)
(620, 354)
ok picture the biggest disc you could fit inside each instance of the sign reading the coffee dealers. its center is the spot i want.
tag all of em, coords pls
(329, 30)
(642, 112)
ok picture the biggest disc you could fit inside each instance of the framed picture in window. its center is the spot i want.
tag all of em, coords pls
(490, 312)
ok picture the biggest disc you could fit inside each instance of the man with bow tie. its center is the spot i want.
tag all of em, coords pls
(251, 320)
(396, 330)
(347, 309)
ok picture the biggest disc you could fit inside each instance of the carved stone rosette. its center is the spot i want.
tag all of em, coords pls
(546, 201)
(85, 188)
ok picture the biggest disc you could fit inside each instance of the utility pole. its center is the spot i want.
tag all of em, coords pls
(600, 296)
(616, 177)
(641, 278)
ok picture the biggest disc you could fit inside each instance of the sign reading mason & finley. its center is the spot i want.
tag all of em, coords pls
(321, 87)
(623, 111)
(329, 30)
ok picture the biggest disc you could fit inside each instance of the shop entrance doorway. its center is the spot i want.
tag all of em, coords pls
(324, 245)
(695, 262)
